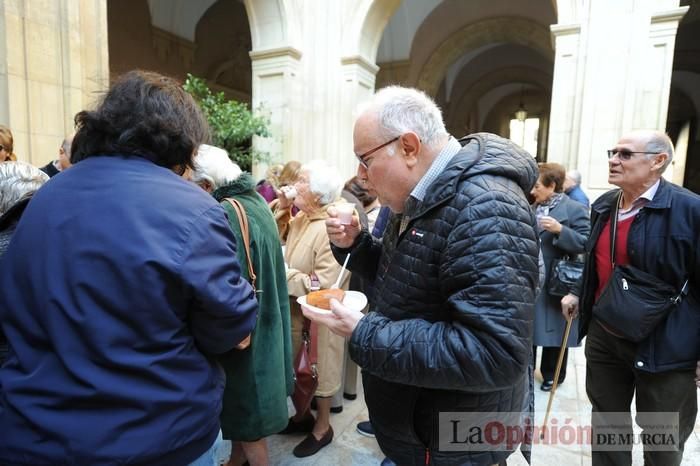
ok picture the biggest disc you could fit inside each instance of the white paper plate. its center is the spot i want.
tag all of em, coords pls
(353, 299)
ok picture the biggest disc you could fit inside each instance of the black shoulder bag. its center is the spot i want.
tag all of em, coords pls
(634, 302)
(564, 276)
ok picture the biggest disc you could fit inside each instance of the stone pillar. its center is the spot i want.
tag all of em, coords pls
(310, 79)
(610, 77)
(662, 40)
(54, 61)
(277, 95)
(359, 76)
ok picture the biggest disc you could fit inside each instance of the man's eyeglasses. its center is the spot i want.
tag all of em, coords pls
(624, 154)
(361, 157)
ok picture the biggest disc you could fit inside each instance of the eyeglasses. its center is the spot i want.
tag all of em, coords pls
(624, 154)
(361, 157)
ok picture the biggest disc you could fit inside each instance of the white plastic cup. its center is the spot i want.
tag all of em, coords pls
(345, 211)
(290, 192)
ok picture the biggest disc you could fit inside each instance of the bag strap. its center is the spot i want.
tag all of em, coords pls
(311, 329)
(245, 233)
(613, 236)
(613, 228)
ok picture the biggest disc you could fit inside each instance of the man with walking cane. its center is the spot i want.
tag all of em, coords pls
(639, 302)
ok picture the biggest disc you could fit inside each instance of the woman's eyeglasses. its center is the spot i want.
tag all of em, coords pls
(624, 154)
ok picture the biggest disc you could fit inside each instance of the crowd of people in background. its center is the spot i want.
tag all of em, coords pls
(150, 287)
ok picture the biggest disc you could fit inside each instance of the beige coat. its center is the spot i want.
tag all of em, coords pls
(307, 251)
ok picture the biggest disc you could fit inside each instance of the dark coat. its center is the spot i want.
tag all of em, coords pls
(549, 322)
(260, 377)
(8, 225)
(110, 304)
(663, 241)
(451, 321)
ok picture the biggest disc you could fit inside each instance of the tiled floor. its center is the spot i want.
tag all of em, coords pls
(351, 448)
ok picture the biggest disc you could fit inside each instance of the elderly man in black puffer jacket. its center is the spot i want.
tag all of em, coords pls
(456, 274)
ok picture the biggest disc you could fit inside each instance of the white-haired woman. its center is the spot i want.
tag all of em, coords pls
(259, 378)
(310, 260)
(18, 181)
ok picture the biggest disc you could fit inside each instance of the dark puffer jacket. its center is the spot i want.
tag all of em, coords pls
(451, 321)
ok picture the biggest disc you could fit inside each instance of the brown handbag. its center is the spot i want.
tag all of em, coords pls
(245, 233)
(305, 372)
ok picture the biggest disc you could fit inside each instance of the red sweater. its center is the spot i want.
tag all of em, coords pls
(603, 264)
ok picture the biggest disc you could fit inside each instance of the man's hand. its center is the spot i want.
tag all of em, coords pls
(342, 321)
(697, 375)
(569, 306)
(342, 236)
(244, 344)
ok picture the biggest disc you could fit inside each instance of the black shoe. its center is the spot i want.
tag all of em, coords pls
(365, 428)
(350, 397)
(295, 427)
(310, 446)
(548, 384)
(336, 409)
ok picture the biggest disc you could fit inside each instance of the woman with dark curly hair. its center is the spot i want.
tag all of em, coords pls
(132, 287)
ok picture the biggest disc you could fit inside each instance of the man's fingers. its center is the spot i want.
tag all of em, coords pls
(325, 319)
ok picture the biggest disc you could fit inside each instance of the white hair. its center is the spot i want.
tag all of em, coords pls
(212, 164)
(17, 180)
(575, 176)
(324, 180)
(402, 109)
(660, 142)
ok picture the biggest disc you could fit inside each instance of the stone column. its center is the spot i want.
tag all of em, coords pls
(277, 95)
(56, 60)
(359, 76)
(610, 76)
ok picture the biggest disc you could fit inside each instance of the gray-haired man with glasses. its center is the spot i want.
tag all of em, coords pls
(657, 231)
(450, 321)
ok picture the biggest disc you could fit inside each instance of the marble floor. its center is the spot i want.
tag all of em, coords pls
(350, 448)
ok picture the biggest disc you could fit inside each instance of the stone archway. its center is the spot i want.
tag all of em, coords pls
(514, 30)
(469, 97)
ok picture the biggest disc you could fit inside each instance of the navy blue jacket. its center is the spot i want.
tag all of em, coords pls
(120, 278)
(663, 241)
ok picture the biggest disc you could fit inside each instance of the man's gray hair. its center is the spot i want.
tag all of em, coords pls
(324, 180)
(402, 109)
(213, 164)
(575, 176)
(17, 180)
(660, 142)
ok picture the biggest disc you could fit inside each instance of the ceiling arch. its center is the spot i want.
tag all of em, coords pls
(464, 73)
(179, 17)
(368, 22)
(506, 29)
(519, 75)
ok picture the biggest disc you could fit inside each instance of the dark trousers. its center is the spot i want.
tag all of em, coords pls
(548, 364)
(611, 382)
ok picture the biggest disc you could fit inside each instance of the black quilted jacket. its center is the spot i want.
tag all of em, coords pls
(451, 321)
